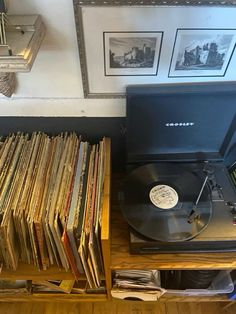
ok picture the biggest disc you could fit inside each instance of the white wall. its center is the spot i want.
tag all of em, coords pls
(54, 87)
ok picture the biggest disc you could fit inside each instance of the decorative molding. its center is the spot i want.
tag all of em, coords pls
(155, 2)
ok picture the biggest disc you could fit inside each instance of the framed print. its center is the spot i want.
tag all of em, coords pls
(124, 43)
(202, 52)
(132, 53)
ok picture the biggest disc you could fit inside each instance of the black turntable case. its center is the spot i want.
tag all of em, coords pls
(185, 124)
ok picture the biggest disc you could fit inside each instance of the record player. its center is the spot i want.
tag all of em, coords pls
(178, 196)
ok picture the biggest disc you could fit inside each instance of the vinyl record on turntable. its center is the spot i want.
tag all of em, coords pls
(160, 198)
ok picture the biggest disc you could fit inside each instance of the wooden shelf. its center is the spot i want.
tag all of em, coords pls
(53, 297)
(116, 256)
(80, 298)
(30, 272)
(122, 259)
(176, 298)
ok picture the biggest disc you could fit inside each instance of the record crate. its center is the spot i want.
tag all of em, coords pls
(58, 284)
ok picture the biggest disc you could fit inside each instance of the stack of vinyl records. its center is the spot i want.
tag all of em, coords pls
(137, 284)
(137, 279)
(50, 202)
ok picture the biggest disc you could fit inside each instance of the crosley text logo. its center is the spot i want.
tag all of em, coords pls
(174, 124)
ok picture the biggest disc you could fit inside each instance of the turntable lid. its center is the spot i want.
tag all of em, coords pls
(180, 121)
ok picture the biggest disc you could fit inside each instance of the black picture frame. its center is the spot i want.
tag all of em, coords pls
(135, 66)
(193, 66)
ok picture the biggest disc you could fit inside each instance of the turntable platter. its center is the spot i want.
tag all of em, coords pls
(159, 198)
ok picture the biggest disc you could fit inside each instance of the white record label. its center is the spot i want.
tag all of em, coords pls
(163, 196)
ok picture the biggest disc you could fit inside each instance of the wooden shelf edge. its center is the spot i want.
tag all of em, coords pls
(105, 222)
(168, 297)
(53, 297)
(30, 272)
(204, 263)
(177, 298)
